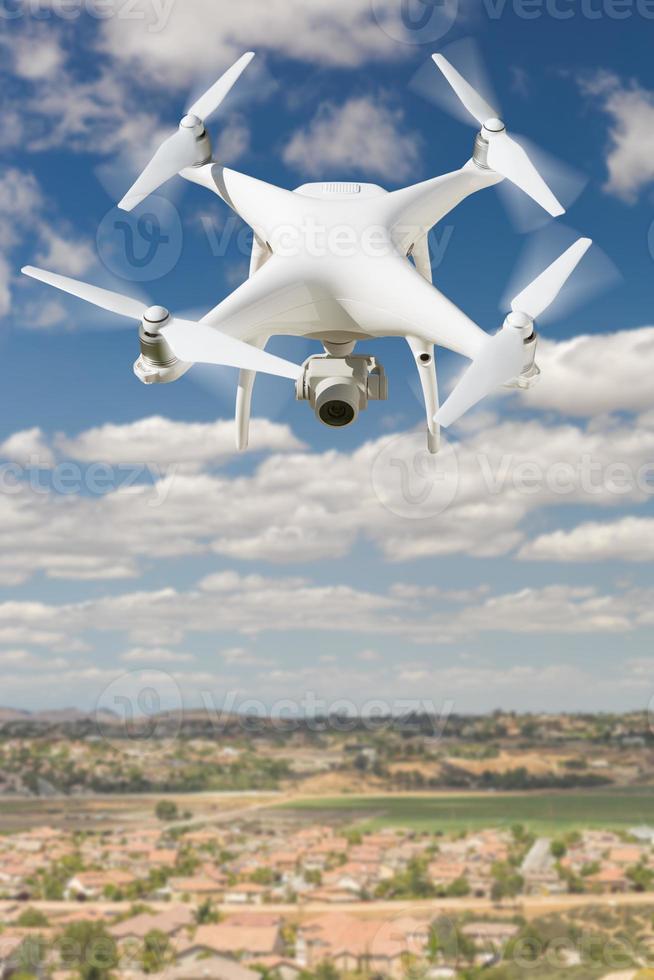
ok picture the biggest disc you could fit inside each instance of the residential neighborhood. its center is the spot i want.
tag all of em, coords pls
(258, 898)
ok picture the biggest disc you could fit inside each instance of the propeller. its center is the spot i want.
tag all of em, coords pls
(502, 357)
(504, 155)
(190, 341)
(190, 145)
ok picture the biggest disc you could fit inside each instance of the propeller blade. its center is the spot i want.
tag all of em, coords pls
(542, 292)
(476, 105)
(509, 159)
(200, 343)
(500, 359)
(186, 147)
(207, 104)
(104, 298)
(176, 153)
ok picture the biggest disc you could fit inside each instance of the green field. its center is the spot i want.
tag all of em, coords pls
(541, 812)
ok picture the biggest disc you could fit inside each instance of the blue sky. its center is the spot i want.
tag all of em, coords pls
(302, 567)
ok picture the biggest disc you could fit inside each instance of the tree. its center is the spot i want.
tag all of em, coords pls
(166, 810)
(458, 888)
(558, 849)
(87, 948)
(205, 914)
(507, 883)
(32, 919)
(156, 952)
(326, 971)
(641, 877)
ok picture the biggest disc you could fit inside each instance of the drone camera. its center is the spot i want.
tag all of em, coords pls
(338, 388)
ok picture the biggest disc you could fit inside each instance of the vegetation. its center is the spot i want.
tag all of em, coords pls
(545, 813)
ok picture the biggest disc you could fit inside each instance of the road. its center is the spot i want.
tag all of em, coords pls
(530, 906)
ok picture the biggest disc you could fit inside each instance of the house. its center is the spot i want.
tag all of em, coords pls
(86, 885)
(626, 855)
(334, 896)
(490, 936)
(170, 922)
(245, 893)
(361, 946)
(198, 888)
(609, 879)
(233, 937)
(210, 968)
(444, 872)
(283, 967)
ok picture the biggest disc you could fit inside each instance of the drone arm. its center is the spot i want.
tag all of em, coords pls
(260, 255)
(422, 257)
(414, 210)
(264, 207)
(423, 353)
(389, 298)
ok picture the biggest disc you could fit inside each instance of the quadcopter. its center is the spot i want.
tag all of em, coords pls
(341, 263)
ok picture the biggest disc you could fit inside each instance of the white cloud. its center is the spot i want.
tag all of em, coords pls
(26, 214)
(28, 448)
(35, 54)
(161, 442)
(300, 506)
(172, 48)
(155, 655)
(233, 141)
(67, 254)
(593, 374)
(271, 607)
(629, 539)
(630, 155)
(363, 135)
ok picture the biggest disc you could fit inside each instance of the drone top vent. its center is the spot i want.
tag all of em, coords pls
(342, 188)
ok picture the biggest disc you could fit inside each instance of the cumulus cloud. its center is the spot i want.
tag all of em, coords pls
(628, 539)
(630, 154)
(155, 655)
(169, 44)
(164, 442)
(363, 135)
(594, 374)
(267, 608)
(26, 214)
(138, 478)
(28, 448)
(67, 254)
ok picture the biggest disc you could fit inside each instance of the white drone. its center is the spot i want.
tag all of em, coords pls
(370, 278)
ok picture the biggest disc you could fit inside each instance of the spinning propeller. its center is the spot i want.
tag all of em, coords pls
(190, 341)
(190, 145)
(502, 357)
(504, 155)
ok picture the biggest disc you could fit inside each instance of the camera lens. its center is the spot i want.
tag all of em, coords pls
(337, 413)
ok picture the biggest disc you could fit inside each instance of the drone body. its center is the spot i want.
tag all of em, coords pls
(340, 263)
